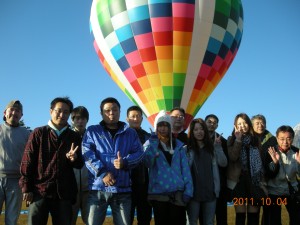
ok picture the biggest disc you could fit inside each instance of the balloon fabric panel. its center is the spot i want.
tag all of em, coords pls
(165, 54)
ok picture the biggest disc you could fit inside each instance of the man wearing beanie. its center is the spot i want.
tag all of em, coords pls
(170, 180)
(13, 138)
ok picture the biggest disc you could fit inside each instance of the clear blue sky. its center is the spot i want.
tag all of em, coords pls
(46, 50)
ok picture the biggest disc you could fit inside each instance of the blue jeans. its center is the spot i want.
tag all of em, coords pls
(208, 212)
(120, 204)
(11, 194)
(39, 209)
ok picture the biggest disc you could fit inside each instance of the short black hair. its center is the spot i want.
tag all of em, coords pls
(134, 108)
(80, 111)
(65, 100)
(109, 100)
(179, 109)
(285, 128)
(213, 116)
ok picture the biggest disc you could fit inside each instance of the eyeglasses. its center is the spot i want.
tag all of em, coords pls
(178, 117)
(59, 111)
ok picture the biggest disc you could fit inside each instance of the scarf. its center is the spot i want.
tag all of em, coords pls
(251, 160)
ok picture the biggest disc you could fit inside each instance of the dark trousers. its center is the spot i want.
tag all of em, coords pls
(141, 204)
(272, 212)
(221, 208)
(168, 213)
(60, 210)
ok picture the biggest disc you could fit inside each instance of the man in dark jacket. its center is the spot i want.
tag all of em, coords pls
(178, 119)
(139, 175)
(47, 179)
(266, 138)
(212, 122)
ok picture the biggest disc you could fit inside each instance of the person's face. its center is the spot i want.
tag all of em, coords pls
(111, 113)
(212, 124)
(198, 132)
(284, 140)
(13, 116)
(259, 126)
(242, 126)
(79, 123)
(134, 119)
(60, 115)
(177, 119)
(163, 129)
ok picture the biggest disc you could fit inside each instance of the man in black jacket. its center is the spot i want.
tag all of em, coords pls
(139, 175)
(212, 122)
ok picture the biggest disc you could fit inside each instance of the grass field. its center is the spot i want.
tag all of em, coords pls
(108, 221)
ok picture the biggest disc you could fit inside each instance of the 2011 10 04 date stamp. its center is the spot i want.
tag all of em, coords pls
(260, 202)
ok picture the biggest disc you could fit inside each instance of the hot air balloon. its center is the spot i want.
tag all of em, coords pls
(167, 53)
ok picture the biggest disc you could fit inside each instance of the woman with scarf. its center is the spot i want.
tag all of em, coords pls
(170, 182)
(245, 176)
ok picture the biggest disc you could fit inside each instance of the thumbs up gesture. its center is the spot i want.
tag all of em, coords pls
(118, 162)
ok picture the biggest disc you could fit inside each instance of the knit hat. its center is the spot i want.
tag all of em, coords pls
(15, 104)
(162, 116)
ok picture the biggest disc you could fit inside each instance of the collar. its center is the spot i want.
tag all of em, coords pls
(58, 132)
(283, 151)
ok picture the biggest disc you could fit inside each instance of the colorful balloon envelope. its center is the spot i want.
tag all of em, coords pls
(165, 54)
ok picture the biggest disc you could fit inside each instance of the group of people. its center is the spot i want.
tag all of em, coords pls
(182, 177)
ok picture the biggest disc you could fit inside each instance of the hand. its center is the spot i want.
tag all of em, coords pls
(153, 136)
(72, 153)
(297, 157)
(109, 179)
(217, 140)
(28, 197)
(274, 155)
(238, 133)
(118, 162)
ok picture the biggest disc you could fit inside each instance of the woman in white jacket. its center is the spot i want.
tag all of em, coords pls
(204, 158)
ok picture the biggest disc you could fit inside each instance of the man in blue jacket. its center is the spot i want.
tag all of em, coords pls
(110, 150)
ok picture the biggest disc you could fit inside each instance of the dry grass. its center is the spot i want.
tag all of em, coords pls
(108, 221)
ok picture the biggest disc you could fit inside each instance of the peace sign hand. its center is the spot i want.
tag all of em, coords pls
(72, 153)
(217, 140)
(238, 133)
